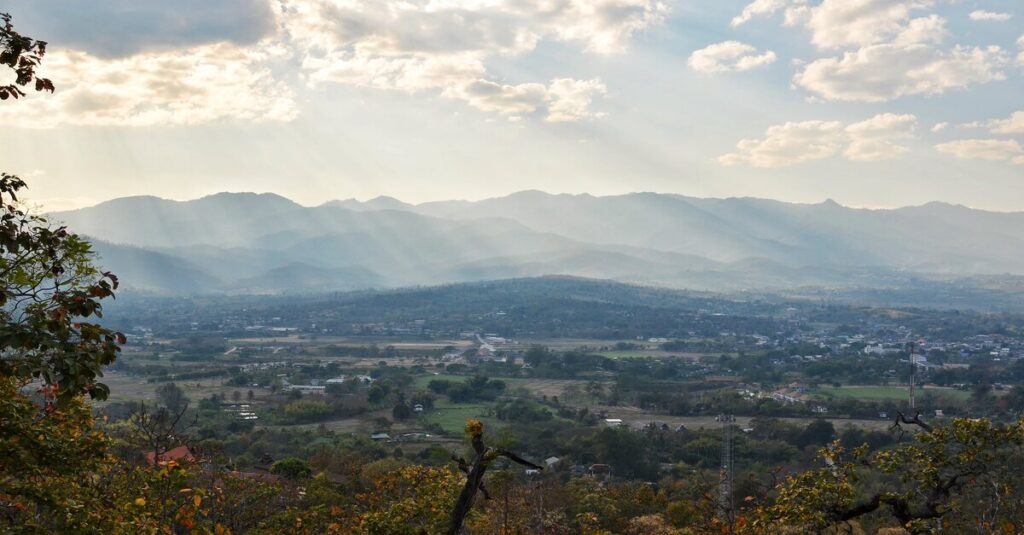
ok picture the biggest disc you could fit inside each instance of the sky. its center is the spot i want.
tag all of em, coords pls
(872, 103)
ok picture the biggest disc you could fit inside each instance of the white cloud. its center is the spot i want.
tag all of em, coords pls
(797, 142)
(729, 56)
(1020, 45)
(759, 8)
(571, 99)
(997, 150)
(202, 84)
(889, 49)
(841, 23)
(789, 144)
(883, 72)
(444, 46)
(982, 15)
(441, 47)
(564, 100)
(874, 139)
(939, 127)
(1014, 124)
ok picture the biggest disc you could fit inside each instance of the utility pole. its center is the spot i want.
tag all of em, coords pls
(725, 494)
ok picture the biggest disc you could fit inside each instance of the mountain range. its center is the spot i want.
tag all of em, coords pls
(247, 242)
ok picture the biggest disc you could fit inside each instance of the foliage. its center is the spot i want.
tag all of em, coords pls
(291, 468)
(306, 410)
(22, 55)
(48, 288)
(948, 476)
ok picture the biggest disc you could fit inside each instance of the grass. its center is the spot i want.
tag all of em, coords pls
(452, 417)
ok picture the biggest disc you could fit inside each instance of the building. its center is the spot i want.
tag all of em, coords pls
(181, 454)
(599, 471)
(316, 389)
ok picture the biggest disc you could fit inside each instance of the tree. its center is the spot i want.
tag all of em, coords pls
(401, 412)
(536, 355)
(172, 396)
(817, 433)
(159, 430)
(291, 468)
(484, 456)
(49, 287)
(955, 477)
(22, 55)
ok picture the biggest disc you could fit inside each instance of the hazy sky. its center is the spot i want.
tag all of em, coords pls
(868, 102)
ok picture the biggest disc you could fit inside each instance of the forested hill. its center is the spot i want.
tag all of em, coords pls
(547, 307)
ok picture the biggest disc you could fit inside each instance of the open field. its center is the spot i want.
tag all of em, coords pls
(452, 418)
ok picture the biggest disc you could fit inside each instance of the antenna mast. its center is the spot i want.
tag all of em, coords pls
(913, 368)
(725, 494)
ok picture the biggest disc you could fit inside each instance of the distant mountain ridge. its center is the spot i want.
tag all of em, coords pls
(255, 242)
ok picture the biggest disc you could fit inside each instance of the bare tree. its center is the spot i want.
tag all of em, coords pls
(484, 456)
(160, 430)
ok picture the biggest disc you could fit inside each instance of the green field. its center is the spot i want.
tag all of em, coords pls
(890, 393)
(452, 418)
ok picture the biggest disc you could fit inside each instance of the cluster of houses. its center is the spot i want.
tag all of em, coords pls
(315, 386)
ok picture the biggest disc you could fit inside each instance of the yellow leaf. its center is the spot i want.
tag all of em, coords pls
(140, 501)
(197, 499)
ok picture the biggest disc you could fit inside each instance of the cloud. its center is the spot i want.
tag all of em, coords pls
(1014, 124)
(789, 144)
(883, 72)
(889, 49)
(571, 99)
(997, 150)
(939, 127)
(119, 28)
(185, 62)
(841, 23)
(564, 100)
(797, 142)
(198, 85)
(873, 140)
(982, 15)
(759, 8)
(444, 46)
(730, 56)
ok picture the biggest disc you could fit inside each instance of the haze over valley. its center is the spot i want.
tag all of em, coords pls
(244, 242)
